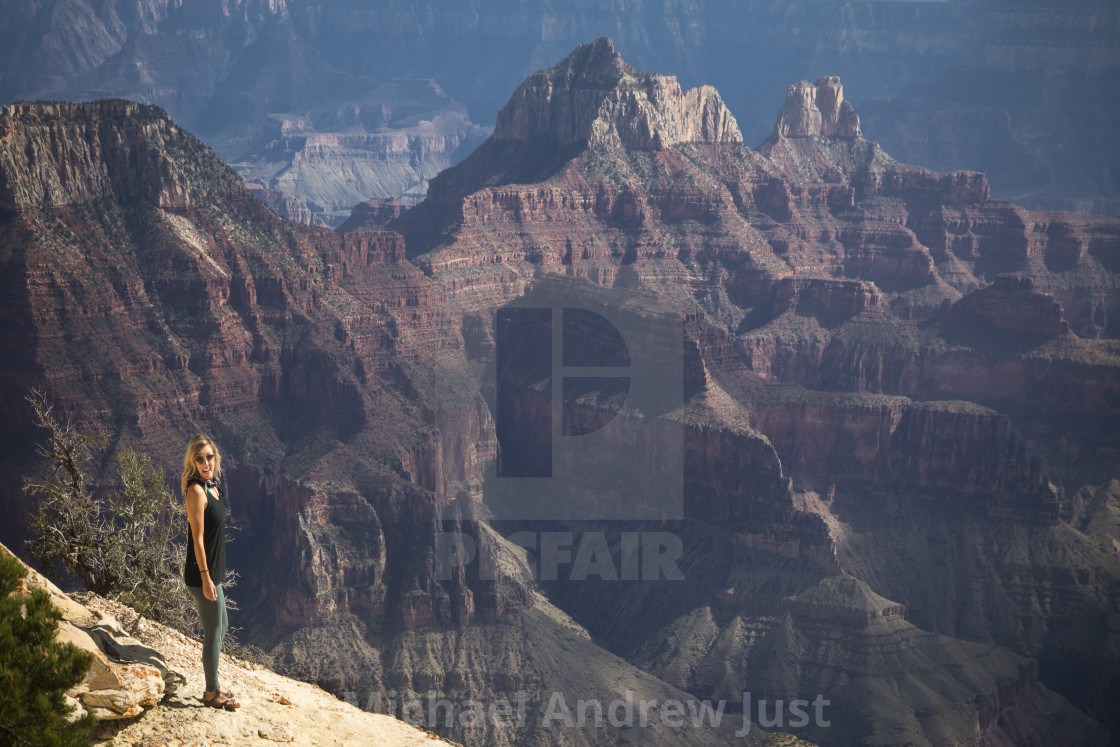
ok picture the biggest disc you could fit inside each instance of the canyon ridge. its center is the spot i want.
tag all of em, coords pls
(892, 420)
(330, 105)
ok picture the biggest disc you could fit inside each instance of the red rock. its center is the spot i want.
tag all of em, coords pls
(815, 280)
(373, 215)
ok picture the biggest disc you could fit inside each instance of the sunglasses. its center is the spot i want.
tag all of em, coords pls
(204, 458)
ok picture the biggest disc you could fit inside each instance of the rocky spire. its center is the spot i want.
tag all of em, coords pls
(593, 97)
(817, 109)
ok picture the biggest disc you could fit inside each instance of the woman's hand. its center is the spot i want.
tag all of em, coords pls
(209, 590)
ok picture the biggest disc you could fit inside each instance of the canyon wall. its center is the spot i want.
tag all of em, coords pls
(890, 388)
(865, 339)
(967, 84)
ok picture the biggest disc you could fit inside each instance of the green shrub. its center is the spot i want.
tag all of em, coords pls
(127, 546)
(36, 670)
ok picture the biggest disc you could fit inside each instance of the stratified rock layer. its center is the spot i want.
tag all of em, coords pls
(386, 145)
(878, 426)
(284, 204)
(863, 334)
(373, 215)
(122, 234)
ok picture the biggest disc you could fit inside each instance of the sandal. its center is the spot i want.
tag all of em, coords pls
(220, 699)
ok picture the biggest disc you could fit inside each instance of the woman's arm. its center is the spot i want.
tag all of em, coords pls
(196, 511)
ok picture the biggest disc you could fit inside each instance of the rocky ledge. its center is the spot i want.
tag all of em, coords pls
(373, 215)
(146, 690)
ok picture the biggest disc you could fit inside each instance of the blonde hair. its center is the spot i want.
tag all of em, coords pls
(189, 468)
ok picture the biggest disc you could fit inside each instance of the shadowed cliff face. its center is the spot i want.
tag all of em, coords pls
(149, 292)
(865, 338)
(894, 437)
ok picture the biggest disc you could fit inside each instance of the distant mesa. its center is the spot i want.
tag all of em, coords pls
(321, 161)
(1011, 304)
(373, 215)
(817, 109)
(594, 97)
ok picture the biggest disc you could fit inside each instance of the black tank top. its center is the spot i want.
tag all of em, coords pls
(213, 540)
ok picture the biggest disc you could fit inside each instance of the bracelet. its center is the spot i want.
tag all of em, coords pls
(203, 570)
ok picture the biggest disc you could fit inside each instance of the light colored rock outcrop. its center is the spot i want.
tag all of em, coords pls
(593, 97)
(817, 109)
(274, 709)
(115, 686)
(148, 691)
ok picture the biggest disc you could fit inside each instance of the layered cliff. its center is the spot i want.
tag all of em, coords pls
(373, 215)
(284, 204)
(1011, 89)
(385, 145)
(867, 338)
(152, 294)
(875, 420)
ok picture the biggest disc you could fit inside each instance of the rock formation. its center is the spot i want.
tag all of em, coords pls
(211, 313)
(961, 85)
(373, 215)
(284, 204)
(125, 678)
(818, 109)
(387, 145)
(856, 329)
(205, 247)
(1009, 304)
(879, 427)
(594, 97)
(138, 689)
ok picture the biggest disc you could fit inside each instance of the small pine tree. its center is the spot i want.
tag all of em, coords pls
(36, 670)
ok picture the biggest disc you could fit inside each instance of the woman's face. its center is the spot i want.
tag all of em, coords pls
(204, 462)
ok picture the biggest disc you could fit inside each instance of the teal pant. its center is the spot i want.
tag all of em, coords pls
(215, 623)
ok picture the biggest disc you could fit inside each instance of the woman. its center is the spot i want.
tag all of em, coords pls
(206, 558)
